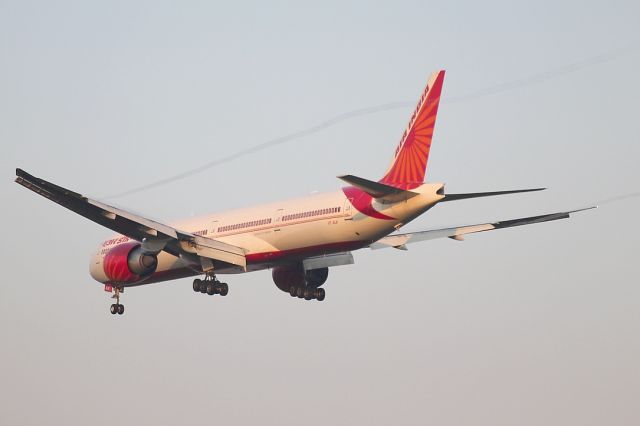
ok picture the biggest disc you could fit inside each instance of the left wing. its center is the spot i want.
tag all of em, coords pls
(153, 235)
(457, 233)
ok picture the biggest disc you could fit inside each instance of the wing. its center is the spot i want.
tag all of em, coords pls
(153, 235)
(399, 240)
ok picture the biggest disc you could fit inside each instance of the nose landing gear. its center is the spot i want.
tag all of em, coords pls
(117, 308)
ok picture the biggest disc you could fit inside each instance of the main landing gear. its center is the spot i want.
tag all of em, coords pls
(307, 293)
(210, 285)
(117, 308)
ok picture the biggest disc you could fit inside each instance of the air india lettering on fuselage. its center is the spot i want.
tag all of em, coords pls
(115, 241)
(109, 244)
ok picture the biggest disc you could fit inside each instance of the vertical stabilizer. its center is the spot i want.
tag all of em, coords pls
(410, 162)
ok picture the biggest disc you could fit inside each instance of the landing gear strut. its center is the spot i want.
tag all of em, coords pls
(117, 308)
(210, 285)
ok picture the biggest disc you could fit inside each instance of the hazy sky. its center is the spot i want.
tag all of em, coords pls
(528, 326)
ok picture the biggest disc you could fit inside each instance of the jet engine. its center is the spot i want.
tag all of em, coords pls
(128, 263)
(316, 277)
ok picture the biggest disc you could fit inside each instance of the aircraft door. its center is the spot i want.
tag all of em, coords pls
(213, 227)
(346, 208)
(277, 219)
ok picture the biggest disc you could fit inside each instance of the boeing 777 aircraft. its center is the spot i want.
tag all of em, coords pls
(299, 240)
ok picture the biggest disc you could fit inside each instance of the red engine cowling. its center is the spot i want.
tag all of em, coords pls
(289, 276)
(127, 263)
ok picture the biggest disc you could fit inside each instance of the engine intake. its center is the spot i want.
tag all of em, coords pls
(128, 263)
(141, 263)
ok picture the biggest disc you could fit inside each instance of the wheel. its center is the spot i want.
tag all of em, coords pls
(120, 309)
(203, 286)
(114, 309)
(211, 289)
(196, 284)
(300, 292)
(319, 294)
(308, 294)
(293, 291)
(224, 289)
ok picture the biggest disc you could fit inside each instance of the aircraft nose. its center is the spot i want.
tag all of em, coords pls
(96, 269)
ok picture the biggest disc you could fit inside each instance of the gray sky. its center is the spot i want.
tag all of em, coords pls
(535, 325)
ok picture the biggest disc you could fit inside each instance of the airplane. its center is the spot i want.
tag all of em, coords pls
(299, 239)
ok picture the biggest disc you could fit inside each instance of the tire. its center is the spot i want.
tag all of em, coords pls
(196, 285)
(113, 309)
(203, 287)
(293, 291)
(319, 294)
(300, 292)
(224, 289)
(211, 289)
(120, 309)
(308, 294)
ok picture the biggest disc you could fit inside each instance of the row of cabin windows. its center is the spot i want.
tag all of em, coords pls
(311, 213)
(244, 225)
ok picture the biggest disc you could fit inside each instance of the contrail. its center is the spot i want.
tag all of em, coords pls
(492, 90)
(268, 144)
(618, 198)
(545, 75)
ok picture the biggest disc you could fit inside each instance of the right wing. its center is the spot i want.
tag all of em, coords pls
(400, 240)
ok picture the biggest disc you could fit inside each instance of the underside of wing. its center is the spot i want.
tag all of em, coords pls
(153, 235)
(399, 241)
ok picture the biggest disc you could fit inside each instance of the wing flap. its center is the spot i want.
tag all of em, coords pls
(213, 249)
(328, 261)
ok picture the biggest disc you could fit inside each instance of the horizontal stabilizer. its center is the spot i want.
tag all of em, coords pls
(379, 190)
(455, 197)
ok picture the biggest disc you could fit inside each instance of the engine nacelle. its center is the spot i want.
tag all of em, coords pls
(127, 263)
(286, 277)
(316, 277)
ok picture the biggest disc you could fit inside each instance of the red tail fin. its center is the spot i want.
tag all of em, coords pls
(410, 162)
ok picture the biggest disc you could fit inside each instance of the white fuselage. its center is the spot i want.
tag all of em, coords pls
(288, 231)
